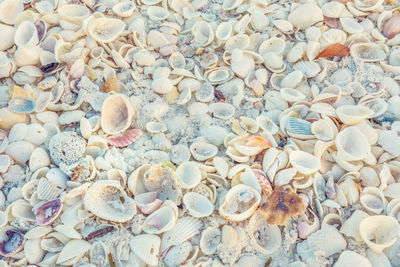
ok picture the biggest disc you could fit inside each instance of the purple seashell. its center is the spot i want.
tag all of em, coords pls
(50, 67)
(48, 212)
(41, 29)
(13, 244)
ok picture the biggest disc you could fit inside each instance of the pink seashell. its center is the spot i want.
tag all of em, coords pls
(48, 212)
(392, 27)
(77, 69)
(148, 202)
(167, 50)
(306, 228)
(263, 181)
(155, 221)
(128, 138)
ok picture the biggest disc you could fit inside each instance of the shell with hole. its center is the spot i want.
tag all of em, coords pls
(240, 203)
(107, 200)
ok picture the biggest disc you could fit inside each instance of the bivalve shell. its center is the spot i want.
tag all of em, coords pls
(198, 205)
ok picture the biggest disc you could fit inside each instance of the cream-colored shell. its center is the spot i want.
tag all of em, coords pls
(116, 114)
(105, 30)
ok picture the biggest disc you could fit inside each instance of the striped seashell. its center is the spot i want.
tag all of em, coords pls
(47, 190)
(128, 138)
(298, 126)
(263, 181)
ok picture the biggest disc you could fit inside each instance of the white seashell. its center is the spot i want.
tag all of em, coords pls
(73, 251)
(74, 14)
(135, 180)
(103, 199)
(224, 31)
(308, 68)
(323, 130)
(203, 34)
(202, 151)
(10, 9)
(147, 202)
(222, 110)
(105, 30)
(266, 124)
(188, 175)
(241, 64)
(26, 34)
(205, 93)
(8, 33)
(231, 4)
(146, 247)
(291, 95)
(116, 114)
(198, 205)
(363, 5)
(352, 144)
(350, 227)
(351, 258)
(274, 44)
(333, 9)
(367, 52)
(185, 228)
(210, 239)
(304, 162)
(5, 162)
(37, 134)
(37, 232)
(162, 85)
(373, 200)
(351, 114)
(20, 151)
(297, 52)
(33, 250)
(6, 66)
(292, 80)
(351, 26)
(160, 221)
(241, 41)
(218, 75)
(124, 9)
(284, 26)
(38, 159)
(240, 203)
(265, 238)
(17, 132)
(379, 232)
(297, 18)
(274, 62)
(27, 55)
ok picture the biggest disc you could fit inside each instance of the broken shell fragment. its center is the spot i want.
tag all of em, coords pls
(47, 212)
(12, 242)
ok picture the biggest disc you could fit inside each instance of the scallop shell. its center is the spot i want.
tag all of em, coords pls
(210, 239)
(352, 144)
(367, 52)
(198, 205)
(116, 114)
(107, 200)
(105, 30)
(265, 238)
(188, 175)
(202, 151)
(184, 229)
(240, 203)
(160, 221)
(128, 138)
(379, 232)
(147, 248)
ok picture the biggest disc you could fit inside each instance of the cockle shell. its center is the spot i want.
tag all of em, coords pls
(297, 18)
(147, 248)
(202, 151)
(10, 9)
(352, 144)
(105, 30)
(379, 232)
(107, 200)
(240, 203)
(116, 114)
(48, 212)
(12, 242)
(188, 175)
(124, 9)
(197, 205)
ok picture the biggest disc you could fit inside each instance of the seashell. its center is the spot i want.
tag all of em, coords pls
(8, 33)
(188, 175)
(157, 13)
(160, 221)
(351, 26)
(124, 9)
(128, 138)
(22, 105)
(291, 95)
(20, 151)
(297, 127)
(274, 62)
(184, 229)
(297, 52)
(297, 18)
(241, 64)
(202, 151)
(6, 66)
(147, 248)
(333, 9)
(203, 34)
(274, 44)
(352, 144)
(231, 4)
(198, 205)
(135, 180)
(304, 162)
(223, 31)
(391, 27)
(351, 114)
(147, 202)
(250, 145)
(107, 200)
(218, 75)
(367, 52)
(308, 68)
(26, 35)
(379, 232)
(205, 93)
(265, 238)
(105, 30)
(323, 130)
(363, 5)
(240, 203)
(72, 252)
(38, 159)
(179, 154)
(222, 111)
(284, 26)
(373, 200)
(75, 14)
(210, 239)
(116, 114)
(47, 212)
(12, 242)
(351, 258)
(10, 9)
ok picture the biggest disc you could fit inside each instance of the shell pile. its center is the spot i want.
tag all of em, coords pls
(199, 133)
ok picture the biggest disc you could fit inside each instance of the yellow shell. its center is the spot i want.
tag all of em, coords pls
(8, 119)
(20, 92)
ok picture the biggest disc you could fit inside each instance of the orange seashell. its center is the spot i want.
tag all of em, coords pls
(392, 27)
(128, 138)
(257, 141)
(264, 182)
(111, 84)
(8, 119)
(335, 50)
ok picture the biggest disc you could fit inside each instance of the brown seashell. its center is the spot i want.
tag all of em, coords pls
(128, 138)
(111, 84)
(392, 27)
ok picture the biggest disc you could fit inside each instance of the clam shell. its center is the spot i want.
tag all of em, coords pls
(12, 242)
(124, 9)
(203, 34)
(351, 258)
(274, 62)
(146, 247)
(274, 44)
(48, 212)
(147, 202)
(304, 162)
(188, 175)
(265, 238)
(391, 27)
(222, 111)
(308, 68)
(160, 221)
(297, 18)
(74, 14)
(210, 239)
(202, 151)
(26, 35)
(116, 114)
(73, 251)
(105, 30)
(103, 198)
(179, 154)
(22, 105)
(351, 114)
(198, 205)
(373, 200)
(224, 31)
(352, 144)
(379, 232)
(367, 52)
(218, 75)
(240, 203)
